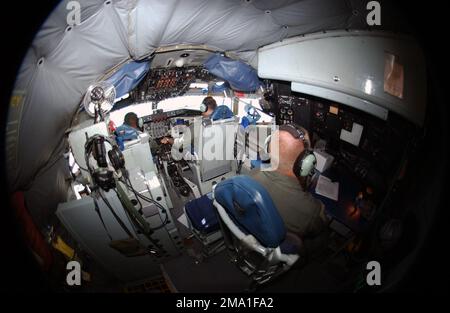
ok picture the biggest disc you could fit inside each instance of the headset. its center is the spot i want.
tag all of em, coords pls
(306, 160)
(103, 176)
(203, 107)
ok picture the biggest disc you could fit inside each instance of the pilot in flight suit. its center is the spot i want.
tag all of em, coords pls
(207, 108)
(129, 130)
(302, 214)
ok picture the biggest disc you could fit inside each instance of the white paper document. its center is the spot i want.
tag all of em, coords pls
(325, 187)
(354, 136)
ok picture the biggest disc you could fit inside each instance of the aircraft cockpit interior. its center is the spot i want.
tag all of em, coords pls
(154, 187)
(198, 169)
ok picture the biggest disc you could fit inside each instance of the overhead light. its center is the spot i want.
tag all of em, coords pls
(368, 87)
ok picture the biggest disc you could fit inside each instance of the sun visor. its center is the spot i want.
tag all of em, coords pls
(239, 75)
(128, 77)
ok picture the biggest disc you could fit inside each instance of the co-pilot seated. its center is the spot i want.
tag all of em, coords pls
(302, 214)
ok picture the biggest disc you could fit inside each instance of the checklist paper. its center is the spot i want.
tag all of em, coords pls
(325, 187)
(354, 136)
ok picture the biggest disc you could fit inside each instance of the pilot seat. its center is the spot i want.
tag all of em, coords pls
(201, 215)
(253, 230)
(219, 131)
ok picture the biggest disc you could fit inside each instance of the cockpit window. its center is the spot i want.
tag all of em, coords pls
(187, 102)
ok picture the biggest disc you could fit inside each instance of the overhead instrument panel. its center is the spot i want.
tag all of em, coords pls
(163, 83)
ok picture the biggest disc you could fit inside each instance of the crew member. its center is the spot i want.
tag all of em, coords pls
(302, 214)
(207, 107)
(129, 130)
(131, 120)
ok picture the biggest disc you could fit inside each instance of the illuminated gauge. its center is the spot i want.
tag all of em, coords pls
(282, 110)
(290, 112)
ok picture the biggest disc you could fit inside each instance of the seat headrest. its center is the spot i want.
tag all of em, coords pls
(251, 208)
(222, 112)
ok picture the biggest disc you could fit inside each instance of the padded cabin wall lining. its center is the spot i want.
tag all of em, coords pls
(111, 34)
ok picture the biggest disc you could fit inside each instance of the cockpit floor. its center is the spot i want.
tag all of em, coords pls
(219, 274)
(214, 274)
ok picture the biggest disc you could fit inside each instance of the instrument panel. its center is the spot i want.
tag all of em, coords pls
(157, 129)
(163, 83)
(158, 125)
(367, 146)
(294, 110)
(162, 116)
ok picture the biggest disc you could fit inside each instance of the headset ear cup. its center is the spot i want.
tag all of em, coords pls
(116, 158)
(140, 122)
(308, 164)
(304, 164)
(203, 108)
